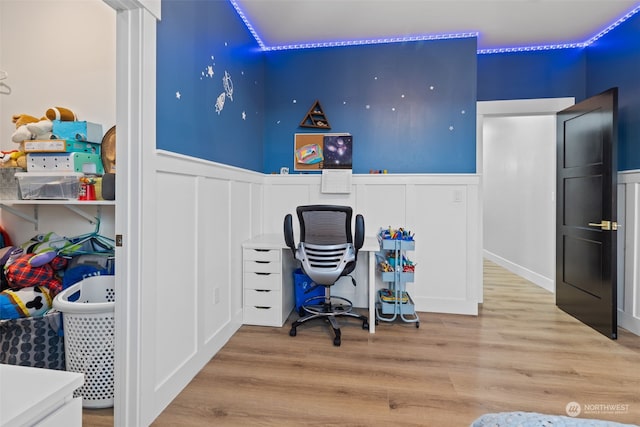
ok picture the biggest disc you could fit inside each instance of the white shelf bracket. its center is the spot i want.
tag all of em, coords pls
(32, 219)
(92, 219)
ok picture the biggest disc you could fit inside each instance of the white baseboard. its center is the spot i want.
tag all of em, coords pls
(525, 273)
(628, 322)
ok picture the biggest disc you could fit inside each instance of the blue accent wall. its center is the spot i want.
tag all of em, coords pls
(411, 107)
(614, 61)
(210, 84)
(611, 61)
(532, 74)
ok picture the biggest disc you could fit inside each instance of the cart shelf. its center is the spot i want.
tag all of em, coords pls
(395, 302)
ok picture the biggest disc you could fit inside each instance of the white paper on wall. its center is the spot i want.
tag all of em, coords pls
(336, 181)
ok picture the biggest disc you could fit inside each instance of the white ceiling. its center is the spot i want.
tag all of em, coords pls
(499, 23)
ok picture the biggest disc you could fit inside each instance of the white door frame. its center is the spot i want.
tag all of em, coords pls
(136, 142)
(506, 108)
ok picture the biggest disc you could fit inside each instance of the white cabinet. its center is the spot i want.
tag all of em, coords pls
(268, 290)
(39, 397)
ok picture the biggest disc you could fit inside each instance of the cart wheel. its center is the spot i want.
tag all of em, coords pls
(417, 324)
(336, 341)
(292, 332)
(365, 325)
(377, 322)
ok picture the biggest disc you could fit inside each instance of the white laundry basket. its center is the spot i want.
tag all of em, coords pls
(88, 309)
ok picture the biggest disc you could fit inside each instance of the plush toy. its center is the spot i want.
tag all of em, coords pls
(30, 127)
(13, 159)
(23, 270)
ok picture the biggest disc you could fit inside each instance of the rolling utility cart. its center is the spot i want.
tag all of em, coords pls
(395, 302)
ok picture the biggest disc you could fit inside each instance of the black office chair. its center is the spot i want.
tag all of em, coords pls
(327, 251)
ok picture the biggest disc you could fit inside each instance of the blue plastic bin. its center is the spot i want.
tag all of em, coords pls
(303, 290)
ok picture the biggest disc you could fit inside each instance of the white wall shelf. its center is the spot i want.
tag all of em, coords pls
(72, 205)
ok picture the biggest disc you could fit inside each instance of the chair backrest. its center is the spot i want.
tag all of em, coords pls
(326, 250)
(325, 224)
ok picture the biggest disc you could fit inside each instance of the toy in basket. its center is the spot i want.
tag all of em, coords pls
(87, 309)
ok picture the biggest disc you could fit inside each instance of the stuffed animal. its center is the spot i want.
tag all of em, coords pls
(30, 127)
(23, 270)
(13, 159)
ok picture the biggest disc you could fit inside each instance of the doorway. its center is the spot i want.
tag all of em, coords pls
(516, 158)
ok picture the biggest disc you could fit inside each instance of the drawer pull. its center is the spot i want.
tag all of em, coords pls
(262, 307)
(262, 274)
(262, 290)
(262, 262)
(261, 250)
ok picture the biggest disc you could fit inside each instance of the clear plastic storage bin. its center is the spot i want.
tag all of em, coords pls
(48, 185)
(88, 309)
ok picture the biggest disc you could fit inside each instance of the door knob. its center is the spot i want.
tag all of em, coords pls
(604, 225)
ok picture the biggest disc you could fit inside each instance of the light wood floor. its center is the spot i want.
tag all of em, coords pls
(521, 354)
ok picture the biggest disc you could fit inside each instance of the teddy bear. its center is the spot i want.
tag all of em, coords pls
(30, 127)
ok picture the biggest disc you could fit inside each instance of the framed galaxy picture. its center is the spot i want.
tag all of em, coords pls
(317, 151)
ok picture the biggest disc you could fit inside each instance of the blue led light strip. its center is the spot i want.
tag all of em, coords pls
(248, 24)
(566, 45)
(612, 26)
(429, 37)
(372, 41)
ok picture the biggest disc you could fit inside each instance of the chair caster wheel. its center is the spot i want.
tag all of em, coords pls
(292, 332)
(365, 325)
(417, 324)
(336, 342)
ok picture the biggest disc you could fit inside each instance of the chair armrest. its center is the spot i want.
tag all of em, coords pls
(359, 237)
(288, 232)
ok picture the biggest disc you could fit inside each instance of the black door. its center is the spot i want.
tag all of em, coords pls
(586, 212)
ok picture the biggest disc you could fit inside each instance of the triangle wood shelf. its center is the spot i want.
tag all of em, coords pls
(315, 118)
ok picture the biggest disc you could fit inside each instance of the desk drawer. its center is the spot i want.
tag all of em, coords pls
(261, 254)
(262, 298)
(256, 280)
(263, 315)
(262, 266)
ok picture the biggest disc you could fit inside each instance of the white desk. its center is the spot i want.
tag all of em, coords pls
(39, 397)
(370, 247)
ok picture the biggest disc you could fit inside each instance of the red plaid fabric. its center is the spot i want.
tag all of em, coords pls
(21, 274)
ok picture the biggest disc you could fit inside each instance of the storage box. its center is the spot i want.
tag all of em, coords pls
(59, 146)
(47, 185)
(405, 306)
(33, 341)
(65, 162)
(77, 131)
(303, 288)
(9, 189)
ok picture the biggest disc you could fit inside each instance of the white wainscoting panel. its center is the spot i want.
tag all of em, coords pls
(203, 213)
(177, 291)
(443, 211)
(628, 244)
